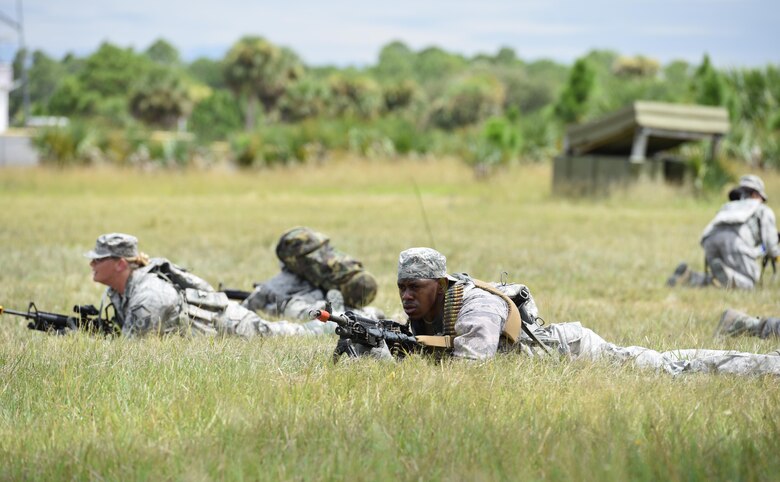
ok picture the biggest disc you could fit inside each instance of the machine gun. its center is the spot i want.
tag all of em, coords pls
(88, 318)
(355, 329)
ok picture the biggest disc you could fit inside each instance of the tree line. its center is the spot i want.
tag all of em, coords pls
(268, 106)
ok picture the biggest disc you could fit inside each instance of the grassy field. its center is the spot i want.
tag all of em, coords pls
(269, 409)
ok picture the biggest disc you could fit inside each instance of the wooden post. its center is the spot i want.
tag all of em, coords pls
(639, 147)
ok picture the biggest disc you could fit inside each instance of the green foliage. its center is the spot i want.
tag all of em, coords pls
(43, 77)
(408, 102)
(396, 63)
(163, 53)
(71, 99)
(167, 152)
(710, 174)
(525, 93)
(468, 100)
(216, 117)
(259, 70)
(208, 71)
(405, 134)
(539, 136)
(61, 145)
(573, 101)
(160, 99)
(278, 144)
(435, 68)
(753, 104)
(355, 95)
(401, 94)
(307, 97)
(502, 134)
(707, 85)
(112, 71)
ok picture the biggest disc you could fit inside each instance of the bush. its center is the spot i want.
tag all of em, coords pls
(216, 116)
(468, 101)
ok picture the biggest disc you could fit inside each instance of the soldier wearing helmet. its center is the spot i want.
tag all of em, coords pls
(154, 296)
(743, 231)
(466, 318)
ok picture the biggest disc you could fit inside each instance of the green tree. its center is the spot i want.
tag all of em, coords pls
(434, 67)
(573, 101)
(396, 62)
(355, 95)
(43, 77)
(304, 98)
(112, 71)
(258, 70)
(163, 53)
(676, 76)
(216, 116)
(707, 85)
(161, 99)
(208, 71)
(506, 56)
(72, 99)
(468, 100)
(400, 94)
(525, 93)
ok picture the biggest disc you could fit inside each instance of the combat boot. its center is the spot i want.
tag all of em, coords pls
(719, 276)
(681, 275)
(734, 323)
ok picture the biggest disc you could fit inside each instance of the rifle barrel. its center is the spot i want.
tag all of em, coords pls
(14, 312)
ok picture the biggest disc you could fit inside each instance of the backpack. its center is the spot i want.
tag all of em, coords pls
(308, 254)
(205, 306)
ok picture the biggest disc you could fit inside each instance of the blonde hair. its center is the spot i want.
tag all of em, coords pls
(139, 261)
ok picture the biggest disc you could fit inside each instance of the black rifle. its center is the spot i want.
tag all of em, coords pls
(88, 318)
(238, 295)
(353, 328)
(233, 294)
(767, 260)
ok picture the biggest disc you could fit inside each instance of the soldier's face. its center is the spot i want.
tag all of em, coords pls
(103, 270)
(418, 297)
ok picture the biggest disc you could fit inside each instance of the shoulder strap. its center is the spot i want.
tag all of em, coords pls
(513, 323)
(512, 326)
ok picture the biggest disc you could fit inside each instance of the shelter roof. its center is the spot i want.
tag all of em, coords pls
(666, 126)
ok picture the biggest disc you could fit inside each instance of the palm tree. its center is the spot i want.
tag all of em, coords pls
(260, 71)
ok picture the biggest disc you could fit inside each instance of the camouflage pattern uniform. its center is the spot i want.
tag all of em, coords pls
(740, 234)
(152, 303)
(291, 296)
(313, 273)
(743, 230)
(735, 323)
(482, 317)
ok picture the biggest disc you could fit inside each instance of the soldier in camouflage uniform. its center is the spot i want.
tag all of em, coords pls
(743, 231)
(156, 296)
(313, 273)
(477, 320)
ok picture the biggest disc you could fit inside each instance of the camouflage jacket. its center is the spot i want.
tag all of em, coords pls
(479, 323)
(754, 224)
(149, 304)
(153, 304)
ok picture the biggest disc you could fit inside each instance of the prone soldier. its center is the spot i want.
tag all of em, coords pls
(466, 318)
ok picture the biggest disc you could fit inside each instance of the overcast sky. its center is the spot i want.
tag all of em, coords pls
(351, 32)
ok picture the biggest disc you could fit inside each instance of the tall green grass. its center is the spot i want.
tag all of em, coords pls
(268, 409)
